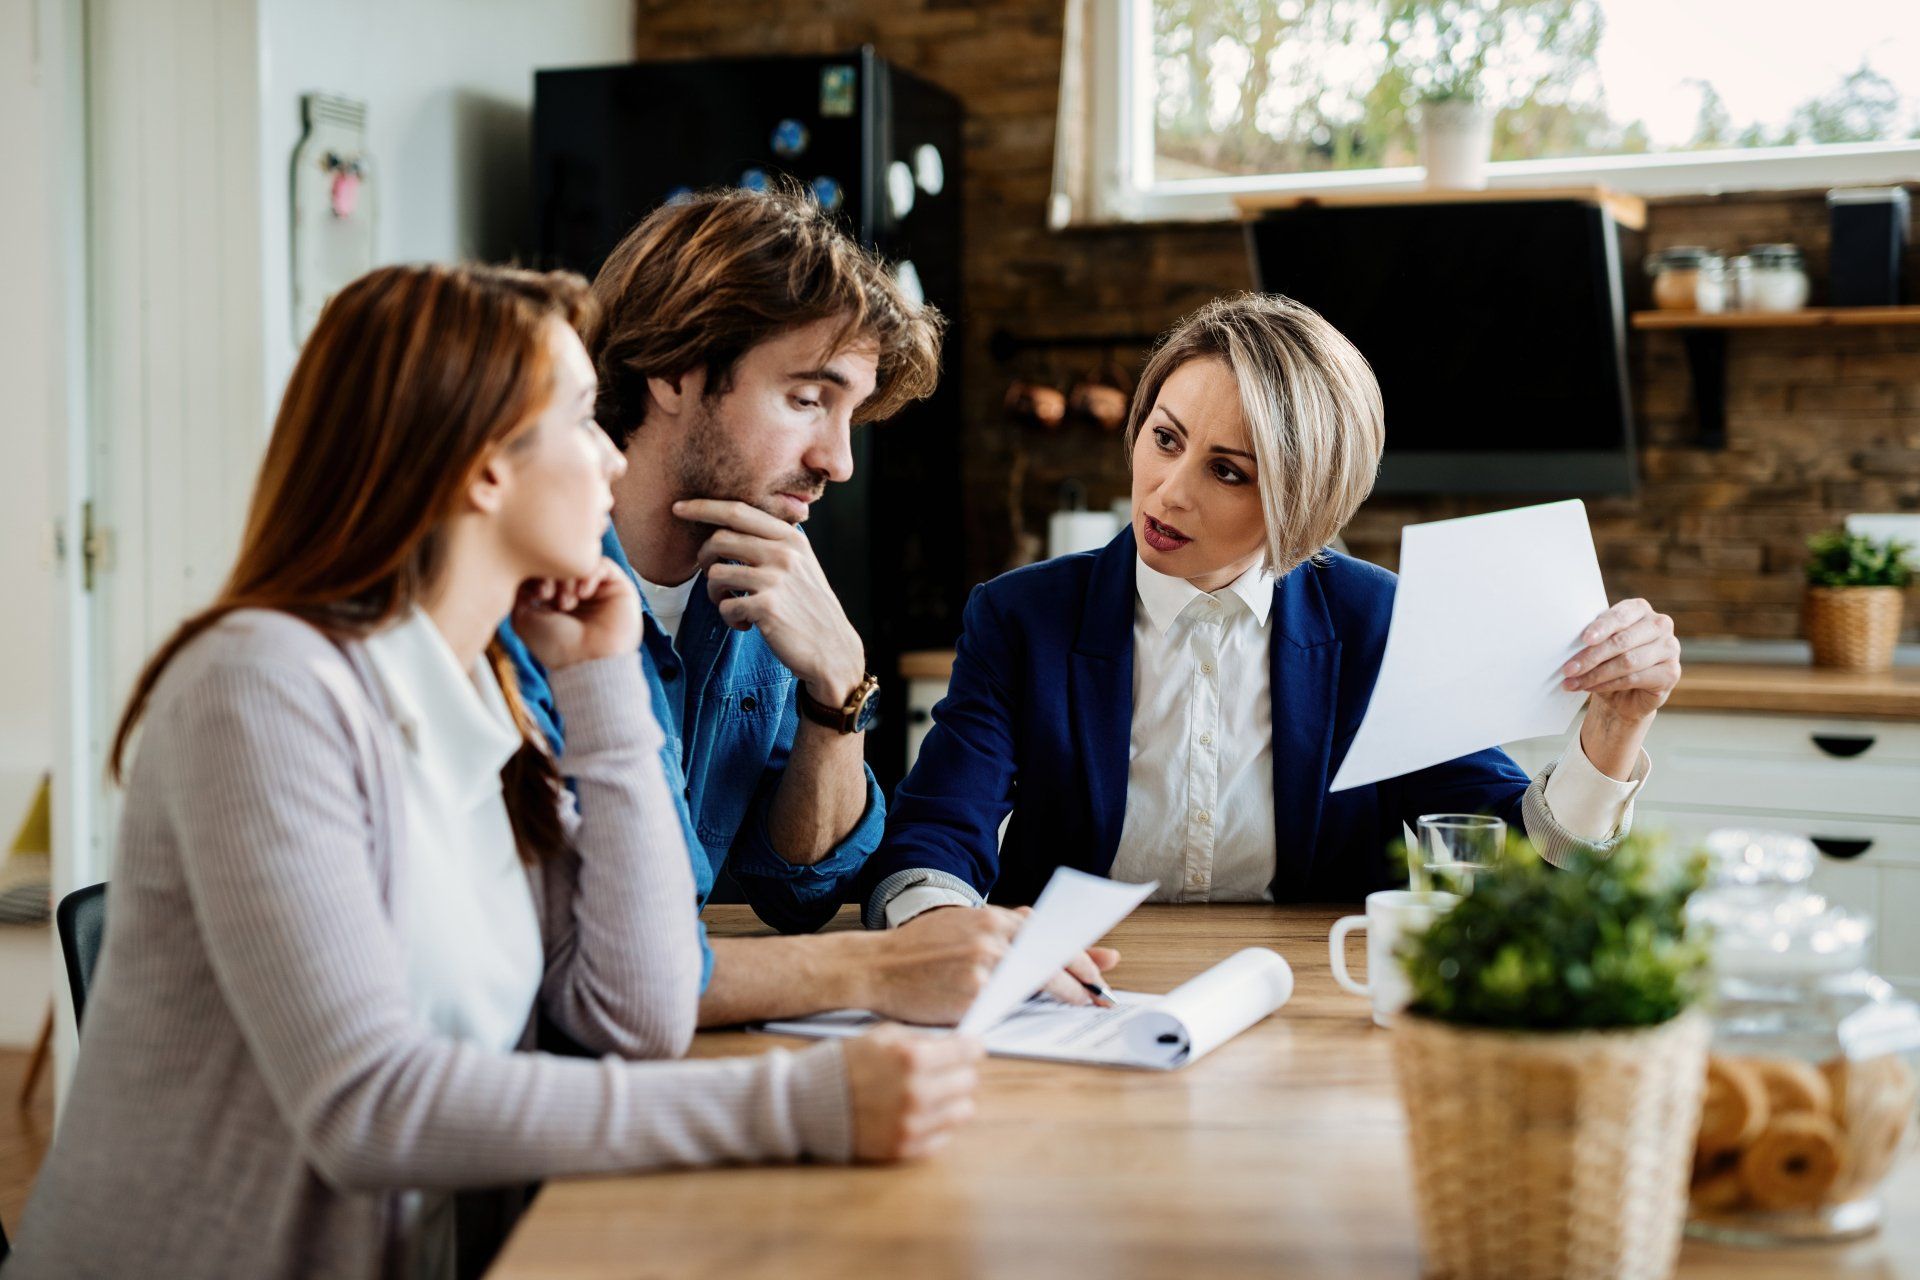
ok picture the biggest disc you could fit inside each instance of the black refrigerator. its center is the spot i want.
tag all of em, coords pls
(882, 148)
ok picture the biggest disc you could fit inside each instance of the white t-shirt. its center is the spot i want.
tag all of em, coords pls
(667, 604)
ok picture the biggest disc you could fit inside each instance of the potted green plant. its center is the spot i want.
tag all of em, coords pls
(1853, 601)
(1456, 137)
(1552, 1065)
(1455, 124)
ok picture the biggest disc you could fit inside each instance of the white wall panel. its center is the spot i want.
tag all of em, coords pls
(31, 421)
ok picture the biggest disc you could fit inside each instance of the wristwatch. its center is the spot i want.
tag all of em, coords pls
(857, 716)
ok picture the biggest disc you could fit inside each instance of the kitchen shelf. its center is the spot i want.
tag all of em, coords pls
(1705, 336)
(1805, 318)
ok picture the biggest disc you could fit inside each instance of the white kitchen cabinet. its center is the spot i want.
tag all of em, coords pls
(1899, 925)
(1850, 786)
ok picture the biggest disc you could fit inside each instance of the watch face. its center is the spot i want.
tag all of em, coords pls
(869, 712)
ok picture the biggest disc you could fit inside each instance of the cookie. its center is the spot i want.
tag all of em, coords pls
(1795, 1163)
(1793, 1087)
(1875, 1100)
(1867, 1086)
(1734, 1109)
(1716, 1184)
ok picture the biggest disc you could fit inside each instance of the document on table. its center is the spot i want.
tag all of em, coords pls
(1159, 1032)
(1488, 609)
(1154, 1032)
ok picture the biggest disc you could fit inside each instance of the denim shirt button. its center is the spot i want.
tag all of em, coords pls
(747, 702)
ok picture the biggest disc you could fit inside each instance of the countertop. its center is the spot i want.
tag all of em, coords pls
(1715, 677)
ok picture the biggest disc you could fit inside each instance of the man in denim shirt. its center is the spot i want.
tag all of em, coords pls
(741, 336)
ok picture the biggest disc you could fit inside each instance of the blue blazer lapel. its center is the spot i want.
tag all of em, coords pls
(1100, 694)
(1305, 659)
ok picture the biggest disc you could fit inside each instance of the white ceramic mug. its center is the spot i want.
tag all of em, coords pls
(1391, 915)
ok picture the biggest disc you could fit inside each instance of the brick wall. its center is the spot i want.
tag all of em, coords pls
(1819, 422)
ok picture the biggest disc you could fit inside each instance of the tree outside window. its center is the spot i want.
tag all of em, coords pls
(1303, 86)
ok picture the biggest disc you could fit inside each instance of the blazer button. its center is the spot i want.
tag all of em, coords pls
(747, 703)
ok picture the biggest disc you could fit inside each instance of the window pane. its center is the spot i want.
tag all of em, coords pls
(1302, 86)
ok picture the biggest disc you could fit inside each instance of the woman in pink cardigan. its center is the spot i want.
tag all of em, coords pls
(349, 875)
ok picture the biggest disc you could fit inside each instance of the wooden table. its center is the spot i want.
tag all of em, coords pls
(1281, 1154)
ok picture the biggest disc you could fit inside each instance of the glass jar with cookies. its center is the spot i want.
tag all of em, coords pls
(1810, 1093)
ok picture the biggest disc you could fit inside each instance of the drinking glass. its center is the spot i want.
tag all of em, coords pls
(1451, 847)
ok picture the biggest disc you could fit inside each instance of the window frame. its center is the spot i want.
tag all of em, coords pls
(1121, 120)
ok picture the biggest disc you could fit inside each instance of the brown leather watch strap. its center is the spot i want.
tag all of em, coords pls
(844, 719)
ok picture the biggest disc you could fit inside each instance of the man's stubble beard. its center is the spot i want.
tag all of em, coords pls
(707, 468)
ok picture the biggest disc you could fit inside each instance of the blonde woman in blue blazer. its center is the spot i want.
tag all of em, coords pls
(1173, 706)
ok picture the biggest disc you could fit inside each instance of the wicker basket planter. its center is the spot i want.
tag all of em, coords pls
(1853, 628)
(1556, 1155)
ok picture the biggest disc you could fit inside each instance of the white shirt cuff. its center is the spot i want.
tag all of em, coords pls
(1585, 801)
(909, 903)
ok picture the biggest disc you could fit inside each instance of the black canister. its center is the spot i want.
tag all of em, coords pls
(1869, 226)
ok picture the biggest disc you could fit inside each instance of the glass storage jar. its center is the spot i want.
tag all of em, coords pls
(1771, 277)
(1810, 1096)
(1688, 278)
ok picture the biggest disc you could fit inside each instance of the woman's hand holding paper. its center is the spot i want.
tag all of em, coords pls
(1629, 666)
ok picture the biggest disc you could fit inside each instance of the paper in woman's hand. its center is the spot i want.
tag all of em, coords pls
(1487, 611)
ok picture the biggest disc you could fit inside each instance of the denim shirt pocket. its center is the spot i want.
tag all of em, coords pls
(745, 723)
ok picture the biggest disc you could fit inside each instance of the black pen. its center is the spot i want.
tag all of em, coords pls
(1102, 994)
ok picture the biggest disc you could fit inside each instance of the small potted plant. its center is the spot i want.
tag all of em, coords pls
(1551, 1064)
(1853, 602)
(1454, 121)
(1456, 138)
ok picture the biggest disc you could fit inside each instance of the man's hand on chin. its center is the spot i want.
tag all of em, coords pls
(762, 572)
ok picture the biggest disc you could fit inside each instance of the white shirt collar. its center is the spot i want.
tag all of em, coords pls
(1166, 598)
(454, 722)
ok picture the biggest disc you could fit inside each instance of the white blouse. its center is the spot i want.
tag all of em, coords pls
(472, 937)
(1199, 815)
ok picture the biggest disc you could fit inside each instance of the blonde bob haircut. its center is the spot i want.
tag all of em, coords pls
(1311, 405)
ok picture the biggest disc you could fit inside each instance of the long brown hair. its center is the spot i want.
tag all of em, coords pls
(410, 377)
(702, 281)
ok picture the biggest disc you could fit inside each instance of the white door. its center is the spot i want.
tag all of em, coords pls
(46, 706)
(143, 140)
(177, 408)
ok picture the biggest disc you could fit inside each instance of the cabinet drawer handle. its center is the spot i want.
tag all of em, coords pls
(1840, 848)
(1843, 746)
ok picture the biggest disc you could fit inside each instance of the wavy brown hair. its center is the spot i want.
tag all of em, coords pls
(411, 377)
(701, 282)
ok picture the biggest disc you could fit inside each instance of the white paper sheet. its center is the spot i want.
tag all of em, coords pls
(1154, 1032)
(1073, 912)
(1487, 611)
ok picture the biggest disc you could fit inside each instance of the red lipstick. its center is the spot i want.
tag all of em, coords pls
(1162, 537)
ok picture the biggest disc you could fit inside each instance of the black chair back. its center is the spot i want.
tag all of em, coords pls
(82, 919)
